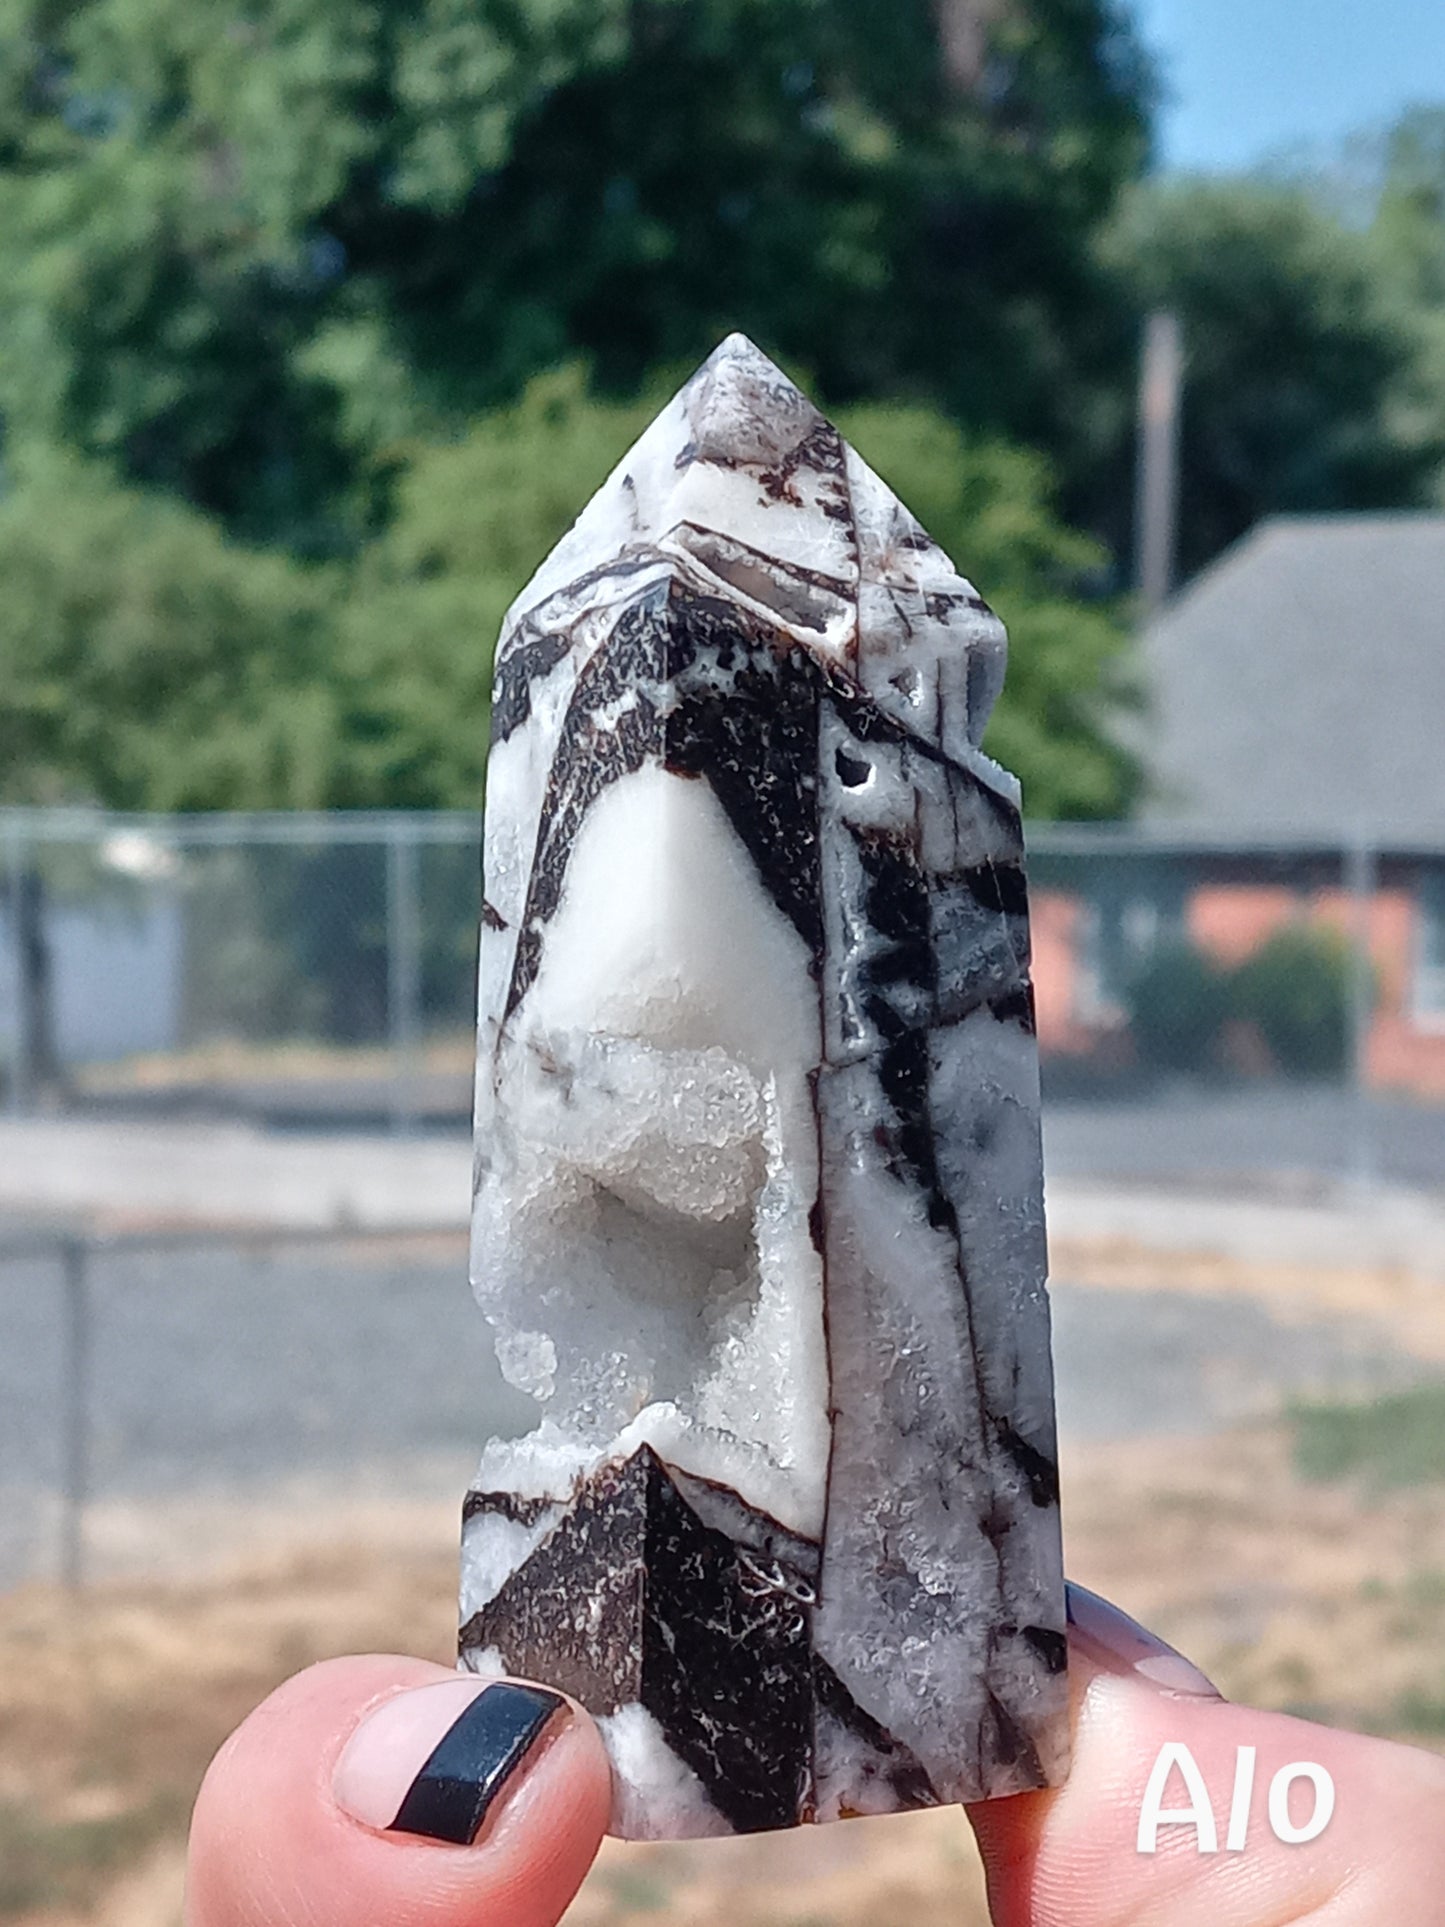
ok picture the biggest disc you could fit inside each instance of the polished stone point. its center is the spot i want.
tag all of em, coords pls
(759, 1206)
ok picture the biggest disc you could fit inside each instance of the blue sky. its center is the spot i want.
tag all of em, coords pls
(1251, 78)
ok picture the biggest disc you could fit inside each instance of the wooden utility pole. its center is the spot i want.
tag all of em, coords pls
(1157, 481)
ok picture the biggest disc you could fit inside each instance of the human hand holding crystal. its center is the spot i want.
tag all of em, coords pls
(387, 1792)
(384, 1790)
(1071, 1857)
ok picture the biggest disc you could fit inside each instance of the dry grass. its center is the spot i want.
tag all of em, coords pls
(1320, 1599)
(1410, 1305)
(232, 1060)
(1327, 1599)
(110, 1706)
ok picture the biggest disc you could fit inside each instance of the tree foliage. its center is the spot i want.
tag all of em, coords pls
(1408, 232)
(991, 507)
(153, 663)
(1409, 219)
(243, 246)
(295, 302)
(149, 663)
(1298, 363)
(474, 517)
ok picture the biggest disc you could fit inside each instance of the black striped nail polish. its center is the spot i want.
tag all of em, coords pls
(476, 1757)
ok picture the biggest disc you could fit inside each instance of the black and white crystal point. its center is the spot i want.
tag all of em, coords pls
(759, 1216)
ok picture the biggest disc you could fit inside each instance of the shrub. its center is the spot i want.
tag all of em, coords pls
(1295, 990)
(1176, 1002)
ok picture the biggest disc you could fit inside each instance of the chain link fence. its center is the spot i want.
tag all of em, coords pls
(1211, 1006)
(303, 968)
(169, 1400)
(1267, 1012)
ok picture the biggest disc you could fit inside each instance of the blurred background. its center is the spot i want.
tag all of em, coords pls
(318, 323)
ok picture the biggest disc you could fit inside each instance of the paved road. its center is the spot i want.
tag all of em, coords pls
(1191, 1133)
(361, 1369)
(1290, 1136)
(212, 1369)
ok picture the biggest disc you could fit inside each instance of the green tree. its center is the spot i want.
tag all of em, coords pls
(991, 507)
(1298, 363)
(1296, 989)
(150, 662)
(1177, 1000)
(242, 249)
(151, 309)
(147, 662)
(473, 518)
(1409, 233)
(1409, 220)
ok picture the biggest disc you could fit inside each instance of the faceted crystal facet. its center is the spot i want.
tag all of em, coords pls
(758, 1215)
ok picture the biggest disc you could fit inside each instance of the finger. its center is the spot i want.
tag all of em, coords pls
(383, 1789)
(1073, 1858)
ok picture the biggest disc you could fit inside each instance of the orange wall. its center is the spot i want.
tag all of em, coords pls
(1231, 920)
(1054, 920)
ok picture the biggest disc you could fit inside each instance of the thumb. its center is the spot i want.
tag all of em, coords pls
(1078, 1857)
(391, 1789)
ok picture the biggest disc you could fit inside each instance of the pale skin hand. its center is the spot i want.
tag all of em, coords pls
(271, 1846)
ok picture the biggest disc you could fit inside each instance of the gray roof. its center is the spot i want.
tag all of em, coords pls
(1298, 683)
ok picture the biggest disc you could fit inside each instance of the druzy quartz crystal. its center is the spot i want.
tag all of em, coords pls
(758, 1216)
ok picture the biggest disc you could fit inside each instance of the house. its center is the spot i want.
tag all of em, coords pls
(107, 939)
(1295, 746)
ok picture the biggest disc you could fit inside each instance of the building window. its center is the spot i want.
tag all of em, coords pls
(1116, 937)
(1428, 998)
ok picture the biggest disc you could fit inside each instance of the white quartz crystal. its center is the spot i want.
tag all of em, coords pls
(758, 1213)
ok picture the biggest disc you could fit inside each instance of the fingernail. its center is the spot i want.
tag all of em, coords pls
(1120, 1645)
(433, 1761)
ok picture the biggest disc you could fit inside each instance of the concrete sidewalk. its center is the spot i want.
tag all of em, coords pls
(127, 1176)
(116, 1176)
(1381, 1229)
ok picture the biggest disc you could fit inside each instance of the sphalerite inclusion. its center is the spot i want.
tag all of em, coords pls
(759, 1216)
